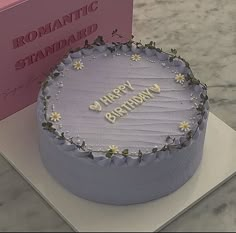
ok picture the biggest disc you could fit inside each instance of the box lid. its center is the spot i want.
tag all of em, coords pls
(4, 4)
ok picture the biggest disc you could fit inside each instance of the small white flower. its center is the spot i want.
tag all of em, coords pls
(179, 78)
(135, 57)
(184, 126)
(78, 65)
(55, 116)
(114, 149)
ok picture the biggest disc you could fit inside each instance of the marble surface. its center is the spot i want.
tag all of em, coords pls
(204, 32)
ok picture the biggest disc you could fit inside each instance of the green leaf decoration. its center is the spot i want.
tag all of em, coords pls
(192, 80)
(129, 44)
(44, 84)
(87, 45)
(139, 45)
(171, 58)
(164, 148)
(154, 150)
(151, 45)
(44, 124)
(159, 50)
(140, 154)
(174, 51)
(111, 49)
(195, 81)
(47, 125)
(168, 138)
(200, 107)
(50, 124)
(83, 144)
(62, 136)
(204, 97)
(204, 86)
(109, 154)
(189, 134)
(99, 41)
(200, 121)
(52, 130)
(56, 74)
(125, 152)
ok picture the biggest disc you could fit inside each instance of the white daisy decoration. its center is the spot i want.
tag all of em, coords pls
(113, 149)
(135, 57)
(179, 78)
(184, 126)
(55, 116)
(78, 65)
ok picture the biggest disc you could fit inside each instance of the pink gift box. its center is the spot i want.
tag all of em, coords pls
(35, 35)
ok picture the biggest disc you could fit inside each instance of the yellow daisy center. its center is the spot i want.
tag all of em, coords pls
(184, 126)
(55, 116)
(78, 65)
(135, 57)
(114, 149)
(179, 78)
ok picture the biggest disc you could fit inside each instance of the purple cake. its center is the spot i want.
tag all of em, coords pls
(122, 123)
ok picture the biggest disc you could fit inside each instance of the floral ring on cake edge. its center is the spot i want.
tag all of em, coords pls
(202, 108)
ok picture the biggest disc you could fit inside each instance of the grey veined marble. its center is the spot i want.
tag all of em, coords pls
(204, 32)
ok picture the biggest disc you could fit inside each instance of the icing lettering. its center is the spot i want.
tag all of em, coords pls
(128, 105)
(120, 111)
(132, 103)
(147, 92)
(111, 97)
(115, 113)
(143, 97)
(128, 85)
(117, 92)
(106, 100)
(138, 99)
(122, 88)
(110, 117)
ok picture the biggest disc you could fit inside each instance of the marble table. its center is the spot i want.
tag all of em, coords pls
(204, 32)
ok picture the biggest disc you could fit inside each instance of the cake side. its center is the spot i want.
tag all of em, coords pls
(121, 182)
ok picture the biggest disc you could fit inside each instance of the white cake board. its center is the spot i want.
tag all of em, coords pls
(19, 145)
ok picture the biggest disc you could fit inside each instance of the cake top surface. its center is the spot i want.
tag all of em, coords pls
(116, 99)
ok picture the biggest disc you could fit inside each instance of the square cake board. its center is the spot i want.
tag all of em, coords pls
(19, 145)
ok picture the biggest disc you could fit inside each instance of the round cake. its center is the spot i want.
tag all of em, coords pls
(122, 123)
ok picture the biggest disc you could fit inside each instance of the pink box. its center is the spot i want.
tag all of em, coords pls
(35, 35)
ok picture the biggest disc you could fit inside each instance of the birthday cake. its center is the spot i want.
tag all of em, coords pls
(122, 123)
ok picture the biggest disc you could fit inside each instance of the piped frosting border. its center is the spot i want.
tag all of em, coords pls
(69, 144)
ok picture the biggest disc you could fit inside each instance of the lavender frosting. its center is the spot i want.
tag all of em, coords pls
(144, 127)
(121, 180)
